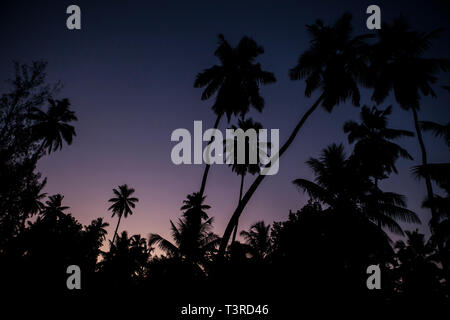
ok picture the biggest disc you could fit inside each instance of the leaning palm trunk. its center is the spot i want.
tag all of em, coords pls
(117, 227)
(235, 217)
(206, 171)
(434, 218)
(240, 199)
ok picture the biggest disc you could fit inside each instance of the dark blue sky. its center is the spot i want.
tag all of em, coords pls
(129, 74)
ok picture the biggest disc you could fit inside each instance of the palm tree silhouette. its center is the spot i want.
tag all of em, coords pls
(258, 239)
(52, 127)
(375, 151)
(417, 268)
(193, 238)
(247, 167)
(398, 64)
(123, 204)
(31, 201)
(235, 82)
(335, 63)
(53, 208)
(374, 147)
(439, 130)
(345, 188)
(440, 173)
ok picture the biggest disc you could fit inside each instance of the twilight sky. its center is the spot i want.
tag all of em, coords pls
(129, 74)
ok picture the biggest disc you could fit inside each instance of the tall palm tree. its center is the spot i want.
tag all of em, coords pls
(53, 127)
(258, 239)
(377, 154)
(334, 63)
(193, 238)
(235, 82)
(247, 167)
(399, 64)
(122, 204)
(345, 188)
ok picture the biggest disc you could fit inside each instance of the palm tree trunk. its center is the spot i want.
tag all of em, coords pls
(240, 199)
(205, 172)
(260, 178)
(376, 190)
(117, 227)
(434, 218)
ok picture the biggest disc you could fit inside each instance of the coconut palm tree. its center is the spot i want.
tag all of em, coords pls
(374, 147)
(377, 154)
(247, 167)
(193, 238)
(334, 64)
(122, 204)
(417, 270)
(53, 127)
(31, 201)
(54, 208)
(399, 65)
(345, 188)
(235, 82)
(258, 239)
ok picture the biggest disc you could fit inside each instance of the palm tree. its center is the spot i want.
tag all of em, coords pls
(31, 201)
(235, 82)
(258, 239)
(418, 269)
(53, 208)
(334, 63)
(345, 188)
(122, 204)
(247, 167)
(398, 64)
(127, 258)
(95, 234)
(440, 173)
(193, 238)
(374, 147)
(377, 154)
(53, 127)
(439, 130)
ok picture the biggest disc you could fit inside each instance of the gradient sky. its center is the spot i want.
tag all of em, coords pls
(129, 74)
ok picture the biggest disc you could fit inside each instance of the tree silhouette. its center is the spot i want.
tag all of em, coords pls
(52, 127)
(122, 204)
(235, 82)
(54, 208)
(376, 154)
(345, 188)
(194, 241)
(126, 261)
(374, 147)
(399, 64)
(418, 273)
(247, 167)
(258, 239)
(335, 63)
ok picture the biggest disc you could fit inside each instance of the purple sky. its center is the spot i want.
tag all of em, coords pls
(129, 74)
